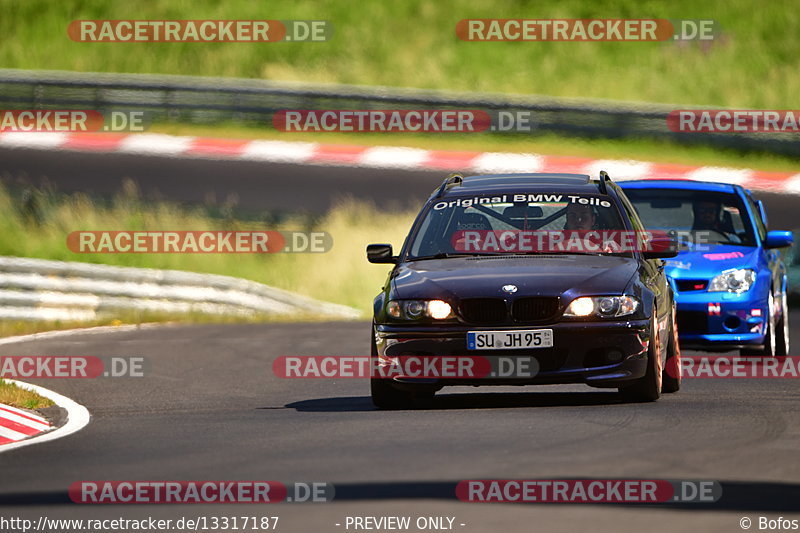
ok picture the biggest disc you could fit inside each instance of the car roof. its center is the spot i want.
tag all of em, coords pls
(533, 182)
(680, 184)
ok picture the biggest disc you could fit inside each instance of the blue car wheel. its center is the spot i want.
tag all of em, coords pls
(782, 329)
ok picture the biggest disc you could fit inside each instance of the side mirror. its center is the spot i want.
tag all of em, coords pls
(380, 253)
(661, 247)
(778, 239)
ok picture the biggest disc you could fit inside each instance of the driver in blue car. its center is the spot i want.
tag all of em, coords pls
(708, 217)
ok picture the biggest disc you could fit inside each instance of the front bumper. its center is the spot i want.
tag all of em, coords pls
(600, 354)
(720, 320)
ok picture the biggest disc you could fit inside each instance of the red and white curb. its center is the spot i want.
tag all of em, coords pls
(391, 157)
(78, 417)
(17, 425)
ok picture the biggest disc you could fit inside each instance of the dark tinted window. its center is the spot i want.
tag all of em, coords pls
(540, 212)
(702, 216)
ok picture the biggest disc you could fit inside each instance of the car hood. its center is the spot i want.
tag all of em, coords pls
(484, 277)
(692, 264)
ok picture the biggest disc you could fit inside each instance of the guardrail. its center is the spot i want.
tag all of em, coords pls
(39, 289)
(212, 100)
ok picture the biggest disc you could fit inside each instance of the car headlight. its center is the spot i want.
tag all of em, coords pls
(416, 309)
(734, 280)
(602, 306)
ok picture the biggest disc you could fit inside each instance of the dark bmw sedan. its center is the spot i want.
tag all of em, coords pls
(537, 279)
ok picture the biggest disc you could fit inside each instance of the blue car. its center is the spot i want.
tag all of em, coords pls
(729, 277)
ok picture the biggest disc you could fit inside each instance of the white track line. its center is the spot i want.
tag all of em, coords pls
(78, 331)
(23, 420)
(317, 154)
(11, 434)
(155, 144)
(20, 412)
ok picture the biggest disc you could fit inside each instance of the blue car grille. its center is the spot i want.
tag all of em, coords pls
(687, 285)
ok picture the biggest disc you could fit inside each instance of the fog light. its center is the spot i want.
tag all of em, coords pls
(732, 323)
(614, 356)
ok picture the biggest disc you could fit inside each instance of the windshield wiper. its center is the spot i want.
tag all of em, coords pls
(732, 243)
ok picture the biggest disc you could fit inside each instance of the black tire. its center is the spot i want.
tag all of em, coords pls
(768, 350)
(385, 396)
(671, 375)
(648, 387)
(782, 329)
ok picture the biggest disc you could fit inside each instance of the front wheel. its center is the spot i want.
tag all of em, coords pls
(385, 396)
(648, 387)
(782, 329)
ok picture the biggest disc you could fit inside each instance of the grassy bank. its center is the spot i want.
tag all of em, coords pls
(341, 275)
(413, 43)
(14, 396)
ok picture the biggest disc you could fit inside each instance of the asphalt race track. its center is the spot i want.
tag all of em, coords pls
(258, 186)
(209, 408)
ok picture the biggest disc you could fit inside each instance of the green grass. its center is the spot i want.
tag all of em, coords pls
(413, 43)
(341, 275)
(14, 396)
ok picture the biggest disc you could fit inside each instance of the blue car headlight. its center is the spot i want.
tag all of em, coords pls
(735, 280)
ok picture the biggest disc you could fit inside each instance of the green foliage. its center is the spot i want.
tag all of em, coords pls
(753, 63)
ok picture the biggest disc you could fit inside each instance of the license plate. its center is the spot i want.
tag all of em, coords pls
(510, 340)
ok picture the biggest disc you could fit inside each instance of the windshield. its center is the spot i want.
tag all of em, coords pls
(696, 217)
(515, 223)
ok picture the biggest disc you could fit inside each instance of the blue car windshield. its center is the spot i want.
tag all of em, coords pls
(698, 216)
